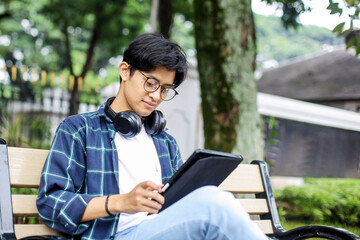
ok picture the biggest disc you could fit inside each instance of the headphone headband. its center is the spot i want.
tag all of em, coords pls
(108, 110)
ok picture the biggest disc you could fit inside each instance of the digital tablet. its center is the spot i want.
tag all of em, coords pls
(203, 167)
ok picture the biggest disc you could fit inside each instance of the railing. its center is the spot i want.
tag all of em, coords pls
(30, 93)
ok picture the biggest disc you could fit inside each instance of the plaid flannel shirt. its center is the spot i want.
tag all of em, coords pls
(82, 164)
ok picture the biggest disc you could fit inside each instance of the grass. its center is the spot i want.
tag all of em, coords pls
(321, 201)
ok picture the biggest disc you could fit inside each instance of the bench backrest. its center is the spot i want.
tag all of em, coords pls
(25, 166)
(250, 183)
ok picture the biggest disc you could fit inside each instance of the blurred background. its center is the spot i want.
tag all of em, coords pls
(271, 80)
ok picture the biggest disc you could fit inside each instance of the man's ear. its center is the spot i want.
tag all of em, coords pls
(124, 71)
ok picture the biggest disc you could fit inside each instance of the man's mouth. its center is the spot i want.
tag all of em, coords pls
(150, 104)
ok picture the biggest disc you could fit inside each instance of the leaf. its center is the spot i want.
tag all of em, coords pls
(358, 49)
(346, 32)
(339, 27)
(350, 43)
(357, 11)
(351, 2)
(334, 8)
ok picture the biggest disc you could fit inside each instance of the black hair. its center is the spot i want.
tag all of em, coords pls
(151, 50)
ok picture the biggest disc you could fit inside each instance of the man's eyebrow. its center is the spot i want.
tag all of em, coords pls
(149, 75)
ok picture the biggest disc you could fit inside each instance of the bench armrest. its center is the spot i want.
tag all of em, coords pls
(45, 238)
(327, 232)
(6, 215)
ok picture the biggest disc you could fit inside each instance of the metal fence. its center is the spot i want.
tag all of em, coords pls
(24, 104)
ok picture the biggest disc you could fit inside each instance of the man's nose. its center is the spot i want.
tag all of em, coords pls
(156, 95)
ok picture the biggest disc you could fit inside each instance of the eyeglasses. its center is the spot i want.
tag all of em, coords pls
(152, 84)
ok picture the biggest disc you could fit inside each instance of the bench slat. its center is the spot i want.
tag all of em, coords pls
(26, 230)
(26, 165)
(24, 205)
(245, 178)
(265, 226)
(254, 206)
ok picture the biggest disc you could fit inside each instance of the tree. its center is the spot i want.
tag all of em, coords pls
(225, 43)
(25, 42)
(166, 17)
(226, 50)
(98, 24)
(291, 11)
(167, 10)
(293, 8)
(79, 36)
(352, 35)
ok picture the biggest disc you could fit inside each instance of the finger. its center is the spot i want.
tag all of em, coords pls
(160, 187)
(149, 184)
(144, 204)
(150, 210)
(156, 197)
(151, 204)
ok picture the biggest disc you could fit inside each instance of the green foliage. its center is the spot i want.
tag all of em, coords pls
(39, 132)
(339, 27)
(27, 191)
(37, 29)
(334, 8)
(25, 130)
(353, 9)
(277, 43)
(12, 130)
(271, 139)
(291, 10)
(183, 33)
(25, 29)
(330, 200)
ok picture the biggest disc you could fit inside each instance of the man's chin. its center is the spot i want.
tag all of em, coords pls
(144, 114)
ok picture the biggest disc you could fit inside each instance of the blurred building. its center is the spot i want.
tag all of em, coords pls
(329, 78)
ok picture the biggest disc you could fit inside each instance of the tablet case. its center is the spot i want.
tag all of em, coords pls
(204, 167)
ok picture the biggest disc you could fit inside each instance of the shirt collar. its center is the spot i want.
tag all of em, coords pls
(101, 112)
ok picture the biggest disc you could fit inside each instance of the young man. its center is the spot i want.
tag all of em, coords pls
(105, 169)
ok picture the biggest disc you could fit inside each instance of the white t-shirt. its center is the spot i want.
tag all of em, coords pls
(138, 162)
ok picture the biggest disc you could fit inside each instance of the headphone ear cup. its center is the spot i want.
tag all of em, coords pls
(155, 123)
(127, 123)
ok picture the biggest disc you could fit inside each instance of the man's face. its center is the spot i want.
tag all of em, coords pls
(141, 101)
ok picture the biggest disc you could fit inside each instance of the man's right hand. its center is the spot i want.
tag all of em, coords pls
(145, 197)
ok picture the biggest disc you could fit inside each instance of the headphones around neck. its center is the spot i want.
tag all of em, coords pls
(129, 124)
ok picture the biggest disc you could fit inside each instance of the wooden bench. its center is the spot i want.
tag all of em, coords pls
(21, 168)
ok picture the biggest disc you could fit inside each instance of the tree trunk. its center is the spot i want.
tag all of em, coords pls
(165, 17)
(74, 98)
(75, 94)
(226, 51)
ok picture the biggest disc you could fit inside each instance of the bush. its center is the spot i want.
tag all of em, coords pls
(319, 200)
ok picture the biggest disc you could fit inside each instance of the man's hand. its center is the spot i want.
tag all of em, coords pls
(145, 197)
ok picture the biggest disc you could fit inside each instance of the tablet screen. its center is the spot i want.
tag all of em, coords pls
(203, 167)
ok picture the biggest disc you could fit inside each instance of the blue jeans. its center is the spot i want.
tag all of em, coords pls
(207, 213)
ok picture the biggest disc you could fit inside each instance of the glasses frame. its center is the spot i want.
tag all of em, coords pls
(147, 78)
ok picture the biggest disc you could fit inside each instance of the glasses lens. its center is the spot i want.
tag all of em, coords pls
(167, 94)
(151, 85)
